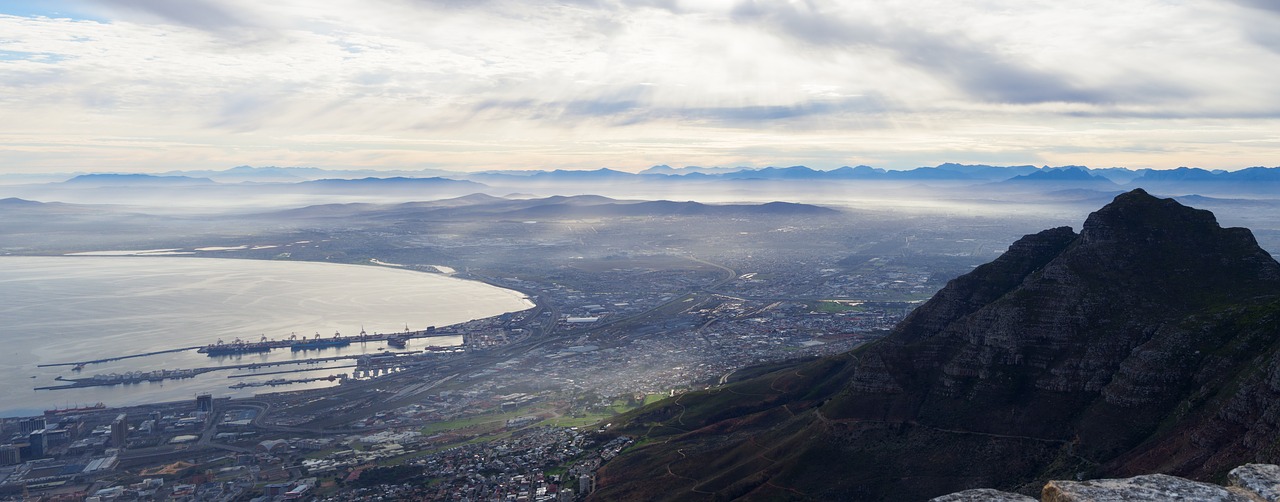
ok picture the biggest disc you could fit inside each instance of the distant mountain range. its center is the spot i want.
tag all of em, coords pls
(295, 187)
(118, 180)
(1147, 342)
(942, 172)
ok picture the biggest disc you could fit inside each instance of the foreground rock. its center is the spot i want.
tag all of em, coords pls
(1151, 487)
(1249, 483)
(983, 495)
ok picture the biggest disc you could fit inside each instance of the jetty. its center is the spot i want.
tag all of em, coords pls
(135, 377)
(282, 381)
(82, 364)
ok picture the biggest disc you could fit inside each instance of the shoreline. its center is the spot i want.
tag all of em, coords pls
(34, 349)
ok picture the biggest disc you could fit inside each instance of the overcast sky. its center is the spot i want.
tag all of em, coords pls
(157, 85)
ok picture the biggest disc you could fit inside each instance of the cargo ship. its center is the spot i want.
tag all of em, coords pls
(81, 409)
(236, 347)
(319, 343)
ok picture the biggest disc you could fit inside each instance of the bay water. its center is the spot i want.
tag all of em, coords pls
(78, 308)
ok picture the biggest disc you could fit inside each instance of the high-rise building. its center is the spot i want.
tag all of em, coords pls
(119, 431)
(204, 402)
(38, 443)
(156, 426)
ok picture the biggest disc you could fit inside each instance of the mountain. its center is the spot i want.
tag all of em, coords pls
(985, 171)
(664, 169)
(14, 202)
(115, 180)
(778, 173)
(559, 176)
(1118, 174)
(1179, 174)
(1264, 181)
(1145, 343)
(274, 174)
(1068, 178)
(13, 207)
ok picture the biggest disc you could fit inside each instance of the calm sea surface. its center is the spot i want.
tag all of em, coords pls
(78, 308)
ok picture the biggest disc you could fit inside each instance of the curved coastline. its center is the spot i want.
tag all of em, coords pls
(89, 307)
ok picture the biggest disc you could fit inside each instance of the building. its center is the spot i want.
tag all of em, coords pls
(297, 492)
(38, 444)
(30, 425)
(56, 437)
(10, 454)
(119, 431)
(204, 402)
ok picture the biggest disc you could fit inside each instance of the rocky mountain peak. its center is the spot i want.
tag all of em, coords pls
(1162, 246)
(1146, 343)
(1139, 215)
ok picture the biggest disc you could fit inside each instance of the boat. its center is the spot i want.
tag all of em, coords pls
(319, 343)
(398, 342)
(237, 346)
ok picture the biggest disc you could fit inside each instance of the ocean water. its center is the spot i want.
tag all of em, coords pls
(79, 308)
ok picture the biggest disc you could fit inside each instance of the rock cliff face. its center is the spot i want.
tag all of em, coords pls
(1146, 343)
(1247, 483)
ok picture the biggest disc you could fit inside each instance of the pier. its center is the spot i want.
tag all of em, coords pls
(395, 340)
(81, 364)
(281, 372)
(282, 381)
(111, 379)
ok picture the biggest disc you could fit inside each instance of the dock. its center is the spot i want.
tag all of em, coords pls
(112, 379)
(81, 364)
(282, 381)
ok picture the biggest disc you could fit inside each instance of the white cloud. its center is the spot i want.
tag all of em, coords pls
(512, 84)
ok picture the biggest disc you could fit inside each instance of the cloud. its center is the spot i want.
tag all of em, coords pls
(629, 112)
(979, 70)
(1264, 5)
(716, 80)
(240, 25)
(615, 5)
(200, 14)
(984, 70)
(1263, 30)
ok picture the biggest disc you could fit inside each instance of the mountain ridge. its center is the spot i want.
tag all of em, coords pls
(1091, 354)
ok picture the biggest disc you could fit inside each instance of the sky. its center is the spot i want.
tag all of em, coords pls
(467, 85)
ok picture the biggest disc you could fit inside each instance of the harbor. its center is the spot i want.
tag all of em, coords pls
(137, 377)
(296, 343)
(173, 307)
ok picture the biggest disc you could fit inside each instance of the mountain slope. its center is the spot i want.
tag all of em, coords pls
(1147, 342)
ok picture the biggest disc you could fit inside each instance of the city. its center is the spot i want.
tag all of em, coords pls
(514, 411)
